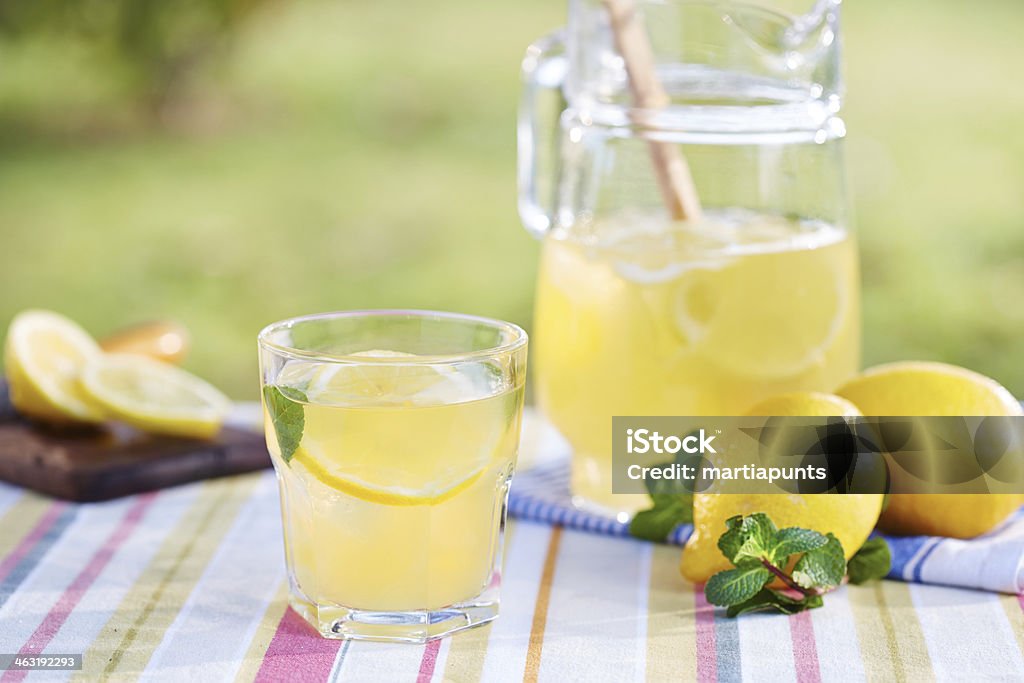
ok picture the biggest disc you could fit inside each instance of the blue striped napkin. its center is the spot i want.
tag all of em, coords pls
(994, 562)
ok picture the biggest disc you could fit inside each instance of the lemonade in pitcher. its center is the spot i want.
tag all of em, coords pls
(659, 318)
(682, 167)
(394, 465)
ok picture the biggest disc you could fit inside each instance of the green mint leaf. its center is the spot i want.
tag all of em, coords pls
(810, 602)
(287, 416)
(793, 540)
(732, 540)
(769, 600)
(759, 538)
(823, 567)
(669, 511)
(292, 394)
(762, 602)
(871, 562)
(735, 586)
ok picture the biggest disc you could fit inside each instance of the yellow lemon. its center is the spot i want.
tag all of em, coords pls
(926, 388)
(43, 358)
(850, 517)
(153, 396)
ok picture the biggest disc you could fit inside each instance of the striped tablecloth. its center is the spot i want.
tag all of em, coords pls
(188, 585)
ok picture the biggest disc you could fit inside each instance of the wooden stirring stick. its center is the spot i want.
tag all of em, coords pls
(670, 167)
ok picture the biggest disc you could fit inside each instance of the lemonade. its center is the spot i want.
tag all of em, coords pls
(640, 316)
(390, 505)
(393, 469)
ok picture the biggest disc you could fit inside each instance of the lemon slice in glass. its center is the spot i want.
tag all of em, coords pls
(389, 383)
(153, 396)
(442, 486)
(393, 432)
(43, 356)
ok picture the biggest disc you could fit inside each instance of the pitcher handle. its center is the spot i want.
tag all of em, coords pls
(544, 69)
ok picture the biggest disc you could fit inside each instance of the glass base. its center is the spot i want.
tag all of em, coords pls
(417, 626)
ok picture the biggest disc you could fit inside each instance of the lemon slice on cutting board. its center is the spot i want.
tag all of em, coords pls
(155, 397)
(43, 358)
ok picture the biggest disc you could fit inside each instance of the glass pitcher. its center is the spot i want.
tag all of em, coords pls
(639, 312)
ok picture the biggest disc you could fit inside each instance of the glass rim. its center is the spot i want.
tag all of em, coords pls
(516, 339)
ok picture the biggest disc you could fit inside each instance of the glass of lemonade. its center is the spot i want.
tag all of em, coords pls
(394, 436)
(642, 313)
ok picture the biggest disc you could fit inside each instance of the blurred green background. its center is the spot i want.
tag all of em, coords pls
(246, 161)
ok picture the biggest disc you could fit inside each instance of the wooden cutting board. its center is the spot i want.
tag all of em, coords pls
(109, 462)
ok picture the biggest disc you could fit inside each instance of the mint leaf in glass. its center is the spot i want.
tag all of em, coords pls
(284, 405)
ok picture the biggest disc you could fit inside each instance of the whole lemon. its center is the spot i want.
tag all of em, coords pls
(926, 388)
(851, 517)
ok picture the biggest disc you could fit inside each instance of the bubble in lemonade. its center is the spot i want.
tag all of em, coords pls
(649, 317)
(392, 496)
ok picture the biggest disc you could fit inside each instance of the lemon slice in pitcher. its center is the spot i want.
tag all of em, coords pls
(153, 396)
(43, 357)
(774, 314)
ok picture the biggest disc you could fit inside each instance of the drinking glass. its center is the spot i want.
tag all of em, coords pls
(394, 436)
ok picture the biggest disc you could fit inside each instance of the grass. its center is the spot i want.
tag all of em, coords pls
(362, 155)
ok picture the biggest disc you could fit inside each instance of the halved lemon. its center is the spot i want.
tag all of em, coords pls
(153, 396)
(43, 358)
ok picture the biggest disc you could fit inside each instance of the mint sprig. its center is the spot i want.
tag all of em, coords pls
(284, 405)
(762, 554)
